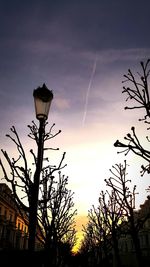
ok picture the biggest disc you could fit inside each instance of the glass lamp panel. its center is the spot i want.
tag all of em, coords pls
(41, 108)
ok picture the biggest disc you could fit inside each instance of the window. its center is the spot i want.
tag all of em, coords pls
(146, 239)
(5, 214)
(25, 229)
(10, 217)
(19, 225)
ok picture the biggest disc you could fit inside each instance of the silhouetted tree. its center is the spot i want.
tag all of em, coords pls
(117, 215)
(55, 200)
(138, 92)
(89, 244)
(57, 215)
(101, 232)
(103, 228)
(125, 198)
(112, 217)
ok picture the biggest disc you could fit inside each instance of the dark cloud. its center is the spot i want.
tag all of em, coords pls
(56, 42)
(78, 24)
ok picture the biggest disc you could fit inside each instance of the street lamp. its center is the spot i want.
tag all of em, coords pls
(42, 99)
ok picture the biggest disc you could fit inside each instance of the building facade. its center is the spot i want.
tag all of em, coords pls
(126, 246)
(13, 227)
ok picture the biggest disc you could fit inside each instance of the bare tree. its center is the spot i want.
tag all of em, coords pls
(90, 245)
(125, 198)
(103, 227)
(138, 92)
(112, 214)
(20, 177)
(139, 89)
(56, 214)
(101, 232)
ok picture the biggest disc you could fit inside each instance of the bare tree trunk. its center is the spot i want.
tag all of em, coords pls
(116, 259)
(136, 242)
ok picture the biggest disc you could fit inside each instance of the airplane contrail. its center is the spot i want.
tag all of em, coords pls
(88, 91)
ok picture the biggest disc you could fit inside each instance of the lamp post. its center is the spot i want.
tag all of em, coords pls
(42, 99)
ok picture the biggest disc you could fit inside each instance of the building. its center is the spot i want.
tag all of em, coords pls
(13, 227)
(126, 246)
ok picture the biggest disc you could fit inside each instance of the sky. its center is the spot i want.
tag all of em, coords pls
(80, 49)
